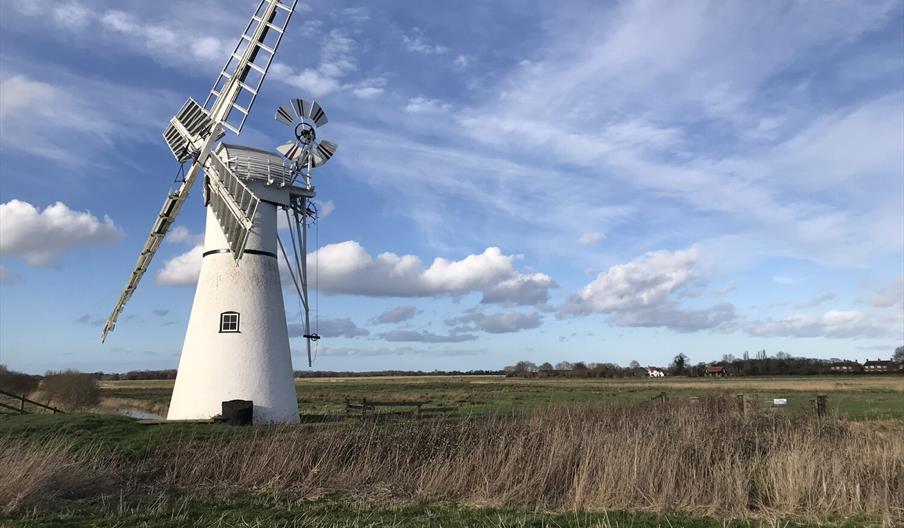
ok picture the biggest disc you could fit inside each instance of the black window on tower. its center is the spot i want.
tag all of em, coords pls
(229, 322)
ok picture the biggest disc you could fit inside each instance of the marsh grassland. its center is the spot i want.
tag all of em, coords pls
(570, 453)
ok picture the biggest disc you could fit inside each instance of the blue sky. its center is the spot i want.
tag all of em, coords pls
(597, 181)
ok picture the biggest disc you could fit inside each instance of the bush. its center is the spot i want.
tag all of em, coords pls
(17, 383)
(71, 389)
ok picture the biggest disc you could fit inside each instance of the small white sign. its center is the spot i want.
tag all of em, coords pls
(780, 401)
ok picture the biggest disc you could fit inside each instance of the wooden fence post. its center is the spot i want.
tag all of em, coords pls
(821, 405)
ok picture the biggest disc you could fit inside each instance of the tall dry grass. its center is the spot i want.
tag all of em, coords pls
(705, 458)
(39, 474)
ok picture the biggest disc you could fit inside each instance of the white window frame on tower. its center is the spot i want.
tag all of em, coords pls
(228, 325)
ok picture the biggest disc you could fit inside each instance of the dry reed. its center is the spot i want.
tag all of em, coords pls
(705, 458)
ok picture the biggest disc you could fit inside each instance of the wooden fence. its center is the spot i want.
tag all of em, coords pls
(22, 400)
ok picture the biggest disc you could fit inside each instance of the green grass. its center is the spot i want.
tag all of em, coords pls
(119, 434)
(264, 511)
(855, 397)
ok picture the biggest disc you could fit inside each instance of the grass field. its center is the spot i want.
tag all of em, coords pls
(854, 397)
(514, 453)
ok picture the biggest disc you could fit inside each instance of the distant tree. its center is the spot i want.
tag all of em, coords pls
(898, 356)
(580, 366)
(564, 365)
(17, 382)
(634, 364)
(545, 367)
(679, 364)
(727, 358)
(71, 389)
(782, 355)
(523, 368)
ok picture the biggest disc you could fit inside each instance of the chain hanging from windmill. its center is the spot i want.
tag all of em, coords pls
(305, 152)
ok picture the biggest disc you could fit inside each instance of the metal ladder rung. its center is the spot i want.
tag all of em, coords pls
(249, 88)
(266, 48)
(280, 5)
(268, 24)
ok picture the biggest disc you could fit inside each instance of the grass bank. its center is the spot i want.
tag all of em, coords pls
(704, 460)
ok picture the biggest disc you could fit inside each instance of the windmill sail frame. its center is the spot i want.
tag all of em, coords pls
(222, 100)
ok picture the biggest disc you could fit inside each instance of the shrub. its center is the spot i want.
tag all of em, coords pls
(17, 383)
(71, 389)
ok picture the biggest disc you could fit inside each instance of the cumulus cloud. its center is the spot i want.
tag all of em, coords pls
(396, 315)
(344, 327)
(346, 267)
(832, 324)
(532, 289)
(641, 283)
(424, 336)
(640, 294)
(39, 236)
(182, 270)
(497, 323)
(588, 239)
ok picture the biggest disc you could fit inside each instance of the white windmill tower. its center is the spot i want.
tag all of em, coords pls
(237, 345)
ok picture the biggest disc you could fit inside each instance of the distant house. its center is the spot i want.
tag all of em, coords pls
(845, 367)
(716, 372)
(655, 372)
(879, 366)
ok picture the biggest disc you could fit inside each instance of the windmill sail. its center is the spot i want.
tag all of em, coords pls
(233, 205)
(235, 89)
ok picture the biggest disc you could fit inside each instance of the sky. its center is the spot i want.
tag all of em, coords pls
(515, 180)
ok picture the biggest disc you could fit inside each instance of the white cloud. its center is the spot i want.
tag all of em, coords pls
(641, 283)
(423, 105)
(641, 293)
(344, 327)
(526, 289)
(182, 270)
(460, 63)
(39, 236)
(347, 268)
(415, 43)
(496, 323)
(28, 104)
(369, 88)
(588, 239)
(325, 209)
(181, 235)
(831, 324)
(424, 336)
(396, 315)
(21, 94)
(337, 60)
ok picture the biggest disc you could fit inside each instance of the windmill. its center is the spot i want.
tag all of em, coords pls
(236, 344)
